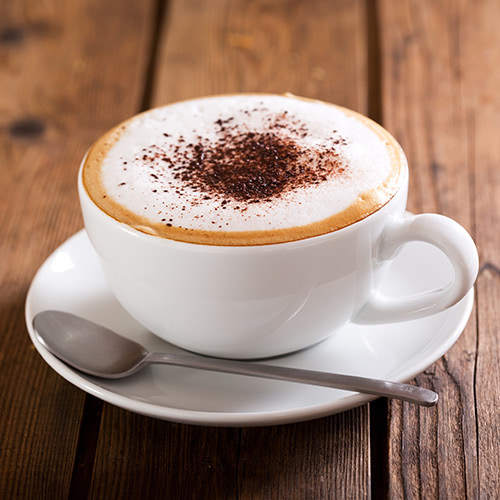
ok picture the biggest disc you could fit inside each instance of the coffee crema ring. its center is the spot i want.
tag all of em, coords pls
(244, 169)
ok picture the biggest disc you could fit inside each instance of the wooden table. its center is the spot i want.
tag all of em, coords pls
(429, 71)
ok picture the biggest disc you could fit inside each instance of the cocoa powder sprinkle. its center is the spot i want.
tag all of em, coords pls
(248, 166)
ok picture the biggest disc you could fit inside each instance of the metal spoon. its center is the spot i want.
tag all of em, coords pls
(98, 351)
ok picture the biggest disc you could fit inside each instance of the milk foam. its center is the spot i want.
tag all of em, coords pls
(136, 175)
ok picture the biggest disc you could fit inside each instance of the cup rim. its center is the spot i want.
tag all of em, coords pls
(402, 179)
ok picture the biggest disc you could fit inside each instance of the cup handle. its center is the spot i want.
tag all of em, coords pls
(445, 234)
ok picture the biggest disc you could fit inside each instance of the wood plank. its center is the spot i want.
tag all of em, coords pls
(326, 458)
(316, 49)
(434, 91)
(480, 56)
(432, 453)
(63, 83)
(140, 457)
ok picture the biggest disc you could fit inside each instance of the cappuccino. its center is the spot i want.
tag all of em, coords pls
(243, 170)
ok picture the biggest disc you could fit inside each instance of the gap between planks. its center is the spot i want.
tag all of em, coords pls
(81, 478)
(379, 409)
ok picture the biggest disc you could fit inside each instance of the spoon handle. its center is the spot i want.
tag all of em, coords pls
(404, 392)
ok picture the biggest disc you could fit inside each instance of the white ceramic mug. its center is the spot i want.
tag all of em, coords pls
(260, 301)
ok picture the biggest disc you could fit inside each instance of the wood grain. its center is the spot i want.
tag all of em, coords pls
(63, 82)
(70, 70)
(316, 49)
(479, 65)
(140, 457)
(430, 53)
(280, 462)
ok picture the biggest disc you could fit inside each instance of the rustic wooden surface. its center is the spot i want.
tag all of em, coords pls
(440, 99)
(427, 70)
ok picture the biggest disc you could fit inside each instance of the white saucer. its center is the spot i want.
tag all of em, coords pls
(71, 280)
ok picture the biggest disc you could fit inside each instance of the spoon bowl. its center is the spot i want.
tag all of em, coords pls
(99, 351)
(87, 346)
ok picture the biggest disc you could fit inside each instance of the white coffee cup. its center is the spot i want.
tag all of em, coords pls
(259, 301)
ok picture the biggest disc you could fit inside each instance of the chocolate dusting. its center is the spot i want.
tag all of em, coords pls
(249, 166)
